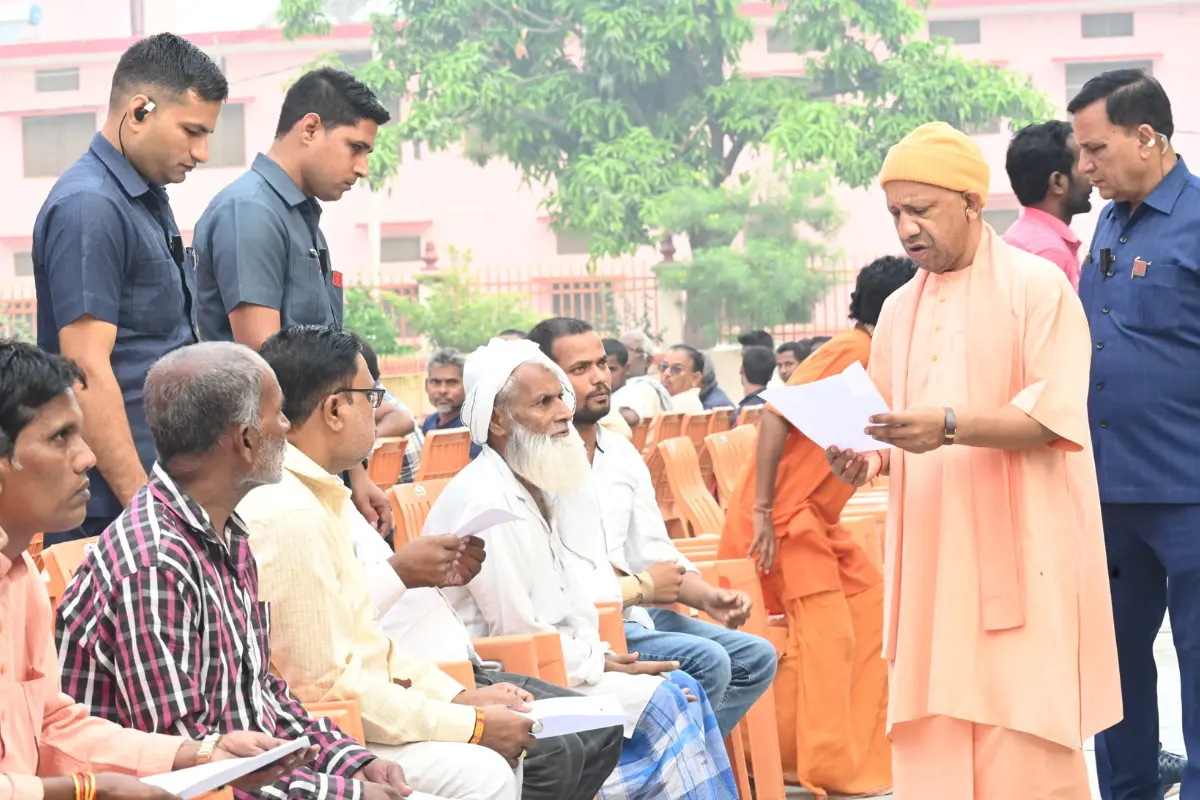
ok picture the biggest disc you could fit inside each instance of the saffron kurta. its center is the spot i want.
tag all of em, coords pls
(831, 685)
(997, 608)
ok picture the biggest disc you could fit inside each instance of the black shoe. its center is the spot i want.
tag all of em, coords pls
(1170, 769)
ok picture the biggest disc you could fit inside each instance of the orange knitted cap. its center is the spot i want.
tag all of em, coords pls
(938, 155)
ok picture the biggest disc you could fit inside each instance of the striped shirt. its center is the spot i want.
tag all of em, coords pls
(161, 630)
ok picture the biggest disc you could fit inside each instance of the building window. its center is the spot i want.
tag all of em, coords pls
(779, 40)
(959, 31)
(571, 244)
(1079, 74)
(52, 142)
(1100, 26)
(56, 80)
(227, 144)
(399, 249)
(23, 263)
(1001, 219)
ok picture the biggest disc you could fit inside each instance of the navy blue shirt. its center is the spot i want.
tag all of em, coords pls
(1144, 313)
(260, 242)
(431, 424)
(105, 244)
(714, 397)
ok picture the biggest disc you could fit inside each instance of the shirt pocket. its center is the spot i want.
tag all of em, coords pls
(1156, 298)
(155, 298)
(305, 298)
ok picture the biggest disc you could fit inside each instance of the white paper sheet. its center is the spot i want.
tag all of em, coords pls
(195, 781)
(834, 411)
(562, 715)
(486, 519)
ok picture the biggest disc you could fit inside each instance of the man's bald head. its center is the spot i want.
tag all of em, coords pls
(196, 395)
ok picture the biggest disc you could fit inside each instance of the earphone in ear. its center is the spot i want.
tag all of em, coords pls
(140, 113)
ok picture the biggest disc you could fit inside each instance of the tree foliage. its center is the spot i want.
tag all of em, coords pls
(461, 314)
(371, 317)
(616, 104)
(754, 272)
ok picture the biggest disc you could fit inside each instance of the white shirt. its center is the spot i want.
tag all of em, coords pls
(535, 579)
(419, 620)
(688, 402)
(645, 396)
(635, 535)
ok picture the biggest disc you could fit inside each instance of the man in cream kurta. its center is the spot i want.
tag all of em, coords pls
(998, 621)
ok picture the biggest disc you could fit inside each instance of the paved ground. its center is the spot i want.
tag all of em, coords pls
(1168, 704)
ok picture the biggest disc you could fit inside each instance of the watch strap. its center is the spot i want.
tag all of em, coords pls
(208, 747)
(951, 429)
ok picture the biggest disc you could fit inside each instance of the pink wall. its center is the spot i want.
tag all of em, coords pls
(449, 201)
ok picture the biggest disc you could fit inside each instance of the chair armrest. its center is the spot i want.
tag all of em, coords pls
(552, 665)
(461, 671)
(612, 626)
(347, 714)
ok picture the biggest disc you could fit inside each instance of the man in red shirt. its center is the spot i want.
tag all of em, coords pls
(1043, 166)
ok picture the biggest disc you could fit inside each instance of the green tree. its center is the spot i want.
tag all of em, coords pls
(617, 103)
(754, 271)
(371, 316)
(459, 313)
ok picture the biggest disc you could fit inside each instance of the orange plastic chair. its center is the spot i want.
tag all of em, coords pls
(751, 415)
(698, 547)
(759, 724)
(61, 562)
(696, 503)
(35, 550)
(220, 794)
(410, 507)
(667, 507)
(729, 452)
(640, 432)
(695, 426)
(386, 461)
(444, 454)
(612, 626)
(346, 714)
(666, 426)
(461, 671)
(720, 420)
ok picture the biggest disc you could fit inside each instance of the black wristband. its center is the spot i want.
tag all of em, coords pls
(951, 427)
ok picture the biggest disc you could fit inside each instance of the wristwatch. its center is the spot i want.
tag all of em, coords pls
(951, 428)
(208, 747)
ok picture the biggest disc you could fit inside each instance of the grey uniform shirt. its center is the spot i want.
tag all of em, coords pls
(260, 242)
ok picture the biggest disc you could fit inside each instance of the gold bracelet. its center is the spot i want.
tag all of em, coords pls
(477, 734)
(75, 781)
(90, 780)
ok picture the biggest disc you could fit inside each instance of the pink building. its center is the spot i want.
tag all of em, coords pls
(56, 76)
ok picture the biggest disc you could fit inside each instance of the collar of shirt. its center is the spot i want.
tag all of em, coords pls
(191, 513)
(1162, 197)
(278, 179)
(329, 489)
(1059, 228)
(132, 182)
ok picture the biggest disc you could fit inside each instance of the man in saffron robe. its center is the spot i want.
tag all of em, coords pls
(831, 685)
(998, 622)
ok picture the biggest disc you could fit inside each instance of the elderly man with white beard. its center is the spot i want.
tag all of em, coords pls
(541, 576)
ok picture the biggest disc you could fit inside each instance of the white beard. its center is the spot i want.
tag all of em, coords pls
(554, 465)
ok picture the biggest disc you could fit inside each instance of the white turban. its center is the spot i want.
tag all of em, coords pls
(486, 372)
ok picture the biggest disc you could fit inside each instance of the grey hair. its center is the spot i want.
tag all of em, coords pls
(194, 395)
(446, 357)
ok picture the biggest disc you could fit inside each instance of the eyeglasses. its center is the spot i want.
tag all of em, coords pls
(674, 369)
(374, 396)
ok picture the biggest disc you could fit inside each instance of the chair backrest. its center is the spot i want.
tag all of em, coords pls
(750, 415)
(386, 461)
(729, 452)
(695, 426)
(697, 504)
(410, 507)
(720, 420)
(640, 432)
(444, 454)
(668, 425)
(61, 562)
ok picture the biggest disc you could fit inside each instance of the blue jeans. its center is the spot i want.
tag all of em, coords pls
(734, 668)
(1153, 564)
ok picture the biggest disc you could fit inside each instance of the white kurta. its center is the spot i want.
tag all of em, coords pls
(533, 581)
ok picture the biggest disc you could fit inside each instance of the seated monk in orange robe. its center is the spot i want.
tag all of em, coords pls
(831, 687)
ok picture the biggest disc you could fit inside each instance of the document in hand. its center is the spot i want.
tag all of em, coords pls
(562, 715)
(195, 781)
(484, 520)
(833, 411)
